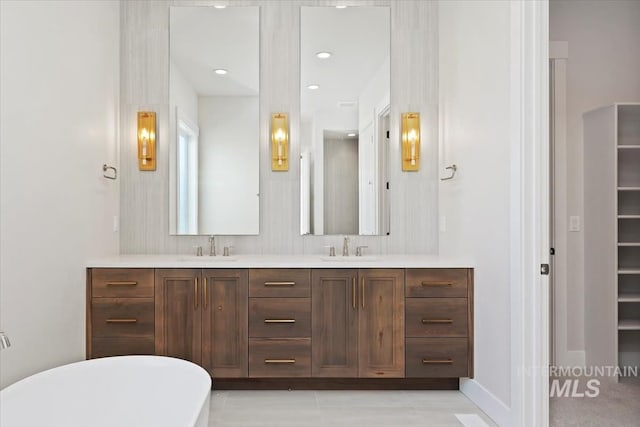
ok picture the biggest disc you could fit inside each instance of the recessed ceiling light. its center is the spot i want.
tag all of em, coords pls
(220, 6)
(313, 87)
(323, 55)
(351, 134)
(341, 6)
(220, 71)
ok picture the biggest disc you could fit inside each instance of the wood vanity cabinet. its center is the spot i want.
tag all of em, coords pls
(120, 316)
(201, 316)
(291, 327)
(439, 319)
(358, 323)
(279, 323)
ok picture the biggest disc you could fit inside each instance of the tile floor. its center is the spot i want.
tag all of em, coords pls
(342, 408)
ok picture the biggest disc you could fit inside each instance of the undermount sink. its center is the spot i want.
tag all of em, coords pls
(205, 258)
(363, 258)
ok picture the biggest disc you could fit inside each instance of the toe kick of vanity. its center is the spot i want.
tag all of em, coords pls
(291, 327)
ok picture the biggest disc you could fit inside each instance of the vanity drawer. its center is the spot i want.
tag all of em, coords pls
(279, 317)
(121, 282)
(280, 283)
(279, 357)
(122, 317)
(437, 358)
(436, 317)
(104, 347)
(436, 282)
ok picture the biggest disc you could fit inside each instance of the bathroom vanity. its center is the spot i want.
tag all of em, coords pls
(289, 321)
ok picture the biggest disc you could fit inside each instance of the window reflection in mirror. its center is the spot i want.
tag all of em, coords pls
(214, 115)
(345, 93)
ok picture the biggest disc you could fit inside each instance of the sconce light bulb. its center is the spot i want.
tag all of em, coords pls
(279, 135)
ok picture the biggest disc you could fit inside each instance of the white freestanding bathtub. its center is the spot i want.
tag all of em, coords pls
(140, 391)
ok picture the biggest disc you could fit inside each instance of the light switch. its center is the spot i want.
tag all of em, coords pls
(574, 223)
(116, 223)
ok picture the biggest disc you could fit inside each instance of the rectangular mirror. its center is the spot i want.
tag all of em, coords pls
(214, 120)
(344, 101)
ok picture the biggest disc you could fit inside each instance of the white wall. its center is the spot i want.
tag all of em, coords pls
(474, 75)
(229, 176)
(603, 67)
(59, 113)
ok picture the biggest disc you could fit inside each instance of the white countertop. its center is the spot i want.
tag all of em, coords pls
(279, 261)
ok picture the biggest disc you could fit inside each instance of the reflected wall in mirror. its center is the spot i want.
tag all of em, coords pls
(214, 110)
(345, 93)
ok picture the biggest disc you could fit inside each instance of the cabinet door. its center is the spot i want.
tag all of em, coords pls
(381, 340)
(224, 323)
(334, 323)
(178, 313)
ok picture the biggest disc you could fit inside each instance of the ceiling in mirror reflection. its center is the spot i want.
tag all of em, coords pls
(359, 43)
(194, 50)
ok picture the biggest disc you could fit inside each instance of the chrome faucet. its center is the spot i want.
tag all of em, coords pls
(212, 246)
(345, 246)
(359, 250)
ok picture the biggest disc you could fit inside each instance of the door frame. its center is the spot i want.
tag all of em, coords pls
(530, 212)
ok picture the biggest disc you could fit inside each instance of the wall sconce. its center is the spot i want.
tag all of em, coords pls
(279, 142)
(146, 140)
(410, 141)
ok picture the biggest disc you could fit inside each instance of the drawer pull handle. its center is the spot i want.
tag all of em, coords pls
(121, 321)
(122, 283)
(279, 361)
(436, 321)
(279, 320)
(437, 362)
(425, 283)
(279, 283)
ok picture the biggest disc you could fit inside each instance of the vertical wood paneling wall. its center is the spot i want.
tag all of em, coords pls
(144, 219)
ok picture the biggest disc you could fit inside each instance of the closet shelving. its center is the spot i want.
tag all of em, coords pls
(612, 235)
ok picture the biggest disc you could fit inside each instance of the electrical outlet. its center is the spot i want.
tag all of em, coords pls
(443, 224)
(574, 223)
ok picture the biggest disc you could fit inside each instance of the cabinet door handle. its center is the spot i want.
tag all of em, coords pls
(279, 361)
(123, 283)
(121, 321)
(204, 293)
(279, 320)
(437, 361)
(426, 283)
(353, 293)
(363, 292)
(279, 283)
(195, 293)
(437, 321)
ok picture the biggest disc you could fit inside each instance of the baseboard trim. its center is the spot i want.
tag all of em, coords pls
(485, 400)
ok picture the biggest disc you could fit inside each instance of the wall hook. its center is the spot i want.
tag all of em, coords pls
(105, 168)
(453, 169)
